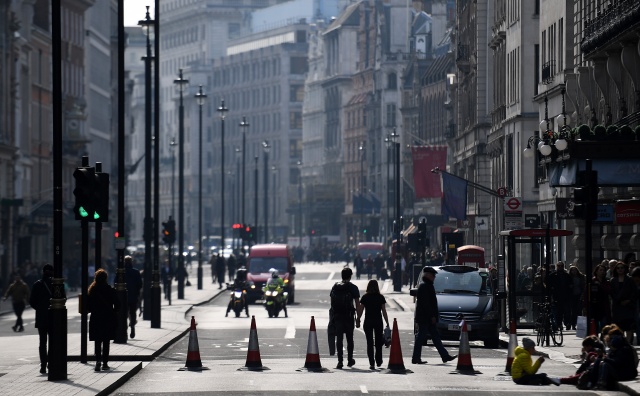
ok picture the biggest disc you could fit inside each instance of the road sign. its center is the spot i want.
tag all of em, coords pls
(502, 192)
(513, 203)
(513, 213)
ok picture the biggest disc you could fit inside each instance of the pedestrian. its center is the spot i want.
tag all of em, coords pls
(369, 264)
(221, 266)
(167, 277)
(41, 294)
(19, 292)
(577, 291)
(231, 266)
(623, 300)
(374, 304)
(103, 304)
(620, 363)
(426, 316)
(524, 371)
(561, 286)
(599, 296)
(345, 302)
(358, 264)
(212, 262)
(134, 285)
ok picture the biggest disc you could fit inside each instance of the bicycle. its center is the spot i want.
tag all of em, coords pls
(546, 326)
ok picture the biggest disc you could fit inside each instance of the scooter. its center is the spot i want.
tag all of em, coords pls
(275, 299)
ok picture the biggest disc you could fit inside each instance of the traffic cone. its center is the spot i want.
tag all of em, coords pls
(396, 363)
(193, 354)
(464, 355)
(513, 343)
(312, 362)
(592, 328)
(254, 363)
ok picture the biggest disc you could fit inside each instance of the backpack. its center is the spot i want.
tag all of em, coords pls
(342, 299)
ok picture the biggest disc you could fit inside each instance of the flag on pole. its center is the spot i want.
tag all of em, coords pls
(454, 196)
(426, 183)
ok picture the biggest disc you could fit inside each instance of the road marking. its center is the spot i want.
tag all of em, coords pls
(363, 389)
(291, 330)
(331, 275)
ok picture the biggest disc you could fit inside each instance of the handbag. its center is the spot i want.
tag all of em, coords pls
(386, 333)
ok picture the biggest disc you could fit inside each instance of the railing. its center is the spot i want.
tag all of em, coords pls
(615, 19)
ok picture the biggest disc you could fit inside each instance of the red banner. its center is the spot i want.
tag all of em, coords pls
(425, 158)
(627, 211)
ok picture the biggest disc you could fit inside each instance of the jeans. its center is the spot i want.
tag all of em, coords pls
(344, 326)
(425, 329)
(369, 331)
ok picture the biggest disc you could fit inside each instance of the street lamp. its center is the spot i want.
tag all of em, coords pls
(181, 83)
(237, 197)
(201, 97)
(266, 148)
(147, 25)
(387, 141)
(244, 125)
(222, 110)
(361, 149)
(255, 203)
(299, 163)
(173, 144)
(274, 171)
(397, 275)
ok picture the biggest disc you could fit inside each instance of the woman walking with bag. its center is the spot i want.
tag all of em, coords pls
(103, 304)
(374, 303)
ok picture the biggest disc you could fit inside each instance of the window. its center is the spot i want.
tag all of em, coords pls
(295, 120)
(392, 81)
(296, 93)
(391, 114)
(298, 65)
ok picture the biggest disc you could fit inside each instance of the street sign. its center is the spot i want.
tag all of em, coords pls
(532, 221)
(513, 213)
(502, 192)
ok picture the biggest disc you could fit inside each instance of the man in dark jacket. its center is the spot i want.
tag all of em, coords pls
(221, 266)
(41, 294)
(134, 284)
(426, 316)
(345, 302)
(560, 284)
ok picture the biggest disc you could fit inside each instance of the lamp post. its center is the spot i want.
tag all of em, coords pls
(181, 83)
(255, 203)
(362, 233)
(222, 110)
(147, 27)
(243, 125)
(397, 275)
(173, 144)
(266, 148)
(201, 97)
(299, 163)
(387, 141)
(237, 209)
(274, 172)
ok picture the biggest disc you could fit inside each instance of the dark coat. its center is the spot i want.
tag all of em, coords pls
(427, 303)
(103, 304)
(220, 266)
(40, 300)
(134, 284)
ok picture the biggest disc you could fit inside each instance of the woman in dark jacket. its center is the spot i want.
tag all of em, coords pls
(599, 300)
(623, 300)
(374, 303)
(103, 304)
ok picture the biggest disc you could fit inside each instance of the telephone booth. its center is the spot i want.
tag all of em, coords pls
(525, 289)
(471, 255)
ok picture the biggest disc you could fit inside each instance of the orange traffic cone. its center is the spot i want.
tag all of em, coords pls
(254, 363)
(396, 363)
(464, 355)
(312, 362)
(193, 354)
(592, 328)
(513, 343)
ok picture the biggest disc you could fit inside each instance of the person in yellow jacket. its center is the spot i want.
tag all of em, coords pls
(524, 371)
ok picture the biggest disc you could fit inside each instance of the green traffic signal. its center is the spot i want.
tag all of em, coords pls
(82, 212)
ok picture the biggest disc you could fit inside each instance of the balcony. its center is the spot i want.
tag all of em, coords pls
(620, 17)
(548, 71)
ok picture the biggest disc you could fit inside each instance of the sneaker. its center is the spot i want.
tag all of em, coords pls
(97, 367)
(449, 358)
(340, 365)
(351, 363)
(106, 367)
(418, 361)
(555, 381)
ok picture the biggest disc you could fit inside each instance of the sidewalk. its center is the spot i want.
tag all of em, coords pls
(126, 359)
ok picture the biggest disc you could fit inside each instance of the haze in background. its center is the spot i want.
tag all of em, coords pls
(134, 10)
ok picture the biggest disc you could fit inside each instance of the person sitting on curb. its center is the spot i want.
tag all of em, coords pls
(620, 363)
(524, 372)
(592, 353)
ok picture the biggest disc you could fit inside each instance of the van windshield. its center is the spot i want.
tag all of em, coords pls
(260, 265)
(462, 282)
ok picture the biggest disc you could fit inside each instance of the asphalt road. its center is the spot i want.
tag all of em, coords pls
(283, 346)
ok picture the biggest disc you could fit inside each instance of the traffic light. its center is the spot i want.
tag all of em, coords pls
(169, 231)
(422, 233)
(585, 197)
(250, 234)
(101, 213)
(85, 192)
